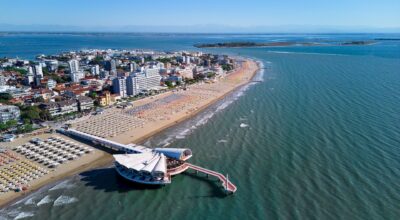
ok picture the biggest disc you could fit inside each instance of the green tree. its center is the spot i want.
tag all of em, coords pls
(211, 74)
(5, 97)
(11, 123)
(227, 67)
(16, 69)
(25, 128)
(3, 127)
(30, 113)
(169, 84)
(164, 60)
(97, 60)
(45, 115)
(7, 125)
(93, 95)
(39, 99)
(45, 71)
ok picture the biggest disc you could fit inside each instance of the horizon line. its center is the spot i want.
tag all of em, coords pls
(181, 32)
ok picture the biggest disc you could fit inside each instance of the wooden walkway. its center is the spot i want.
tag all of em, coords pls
(228, 185)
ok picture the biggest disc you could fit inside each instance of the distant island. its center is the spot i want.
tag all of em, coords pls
(349, 43)
(248, 44)
(280, 44)
(387, 39)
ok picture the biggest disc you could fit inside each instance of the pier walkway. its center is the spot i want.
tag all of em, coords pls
(132, 148)
(228, 185)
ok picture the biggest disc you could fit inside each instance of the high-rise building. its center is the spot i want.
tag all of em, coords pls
(77, 76)
(38, 71)
(132, 67)
(52, 65)
(148, 79)
(37, 81)
(112, 67)
(132, 86)
(29, 79)
(113, 70)
(95, 70)
(30, 70)
(119, 86)
(73, 66)
(104, 74)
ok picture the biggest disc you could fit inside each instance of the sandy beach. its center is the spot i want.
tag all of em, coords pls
(153, 114)
(135, 124)
(95, 159)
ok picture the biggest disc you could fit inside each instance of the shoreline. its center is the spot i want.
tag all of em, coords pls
(100, 162)
(177, 112)
(106, 158)
(201, 109)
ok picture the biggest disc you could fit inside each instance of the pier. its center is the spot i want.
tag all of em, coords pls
(228, 185)
(137, 149)
(132, 148)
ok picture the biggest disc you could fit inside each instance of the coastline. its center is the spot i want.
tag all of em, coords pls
(233, 81)
(199, 110)
(91, 161)
(245, 74)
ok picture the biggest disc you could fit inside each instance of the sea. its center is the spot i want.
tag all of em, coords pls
(317, 136)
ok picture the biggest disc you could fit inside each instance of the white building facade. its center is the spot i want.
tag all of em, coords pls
(119, 86)
(138, 82)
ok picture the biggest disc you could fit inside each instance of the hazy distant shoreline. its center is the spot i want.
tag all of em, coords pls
(283, 44)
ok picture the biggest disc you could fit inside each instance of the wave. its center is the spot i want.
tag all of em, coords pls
(45, 200)
(63, 185)
(12, 213)
(243, 125)
(23, 215)
(30, 201)
(186, 128)
(222, 141)
(63, 200)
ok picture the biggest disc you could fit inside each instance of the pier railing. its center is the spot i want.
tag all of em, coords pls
(228, 185)
(102, 141)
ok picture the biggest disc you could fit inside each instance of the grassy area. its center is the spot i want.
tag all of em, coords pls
(8, 125)
(16, 69)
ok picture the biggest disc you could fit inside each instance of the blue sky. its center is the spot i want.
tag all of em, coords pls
(371, 13)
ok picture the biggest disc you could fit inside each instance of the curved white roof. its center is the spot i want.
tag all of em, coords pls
(148, 162)
(161, 166)
(133, 161)
(175, 153)
(151, 164)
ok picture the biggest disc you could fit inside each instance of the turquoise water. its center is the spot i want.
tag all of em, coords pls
(322, 142)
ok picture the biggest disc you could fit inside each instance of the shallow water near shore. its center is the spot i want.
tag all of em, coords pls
(317, 138)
